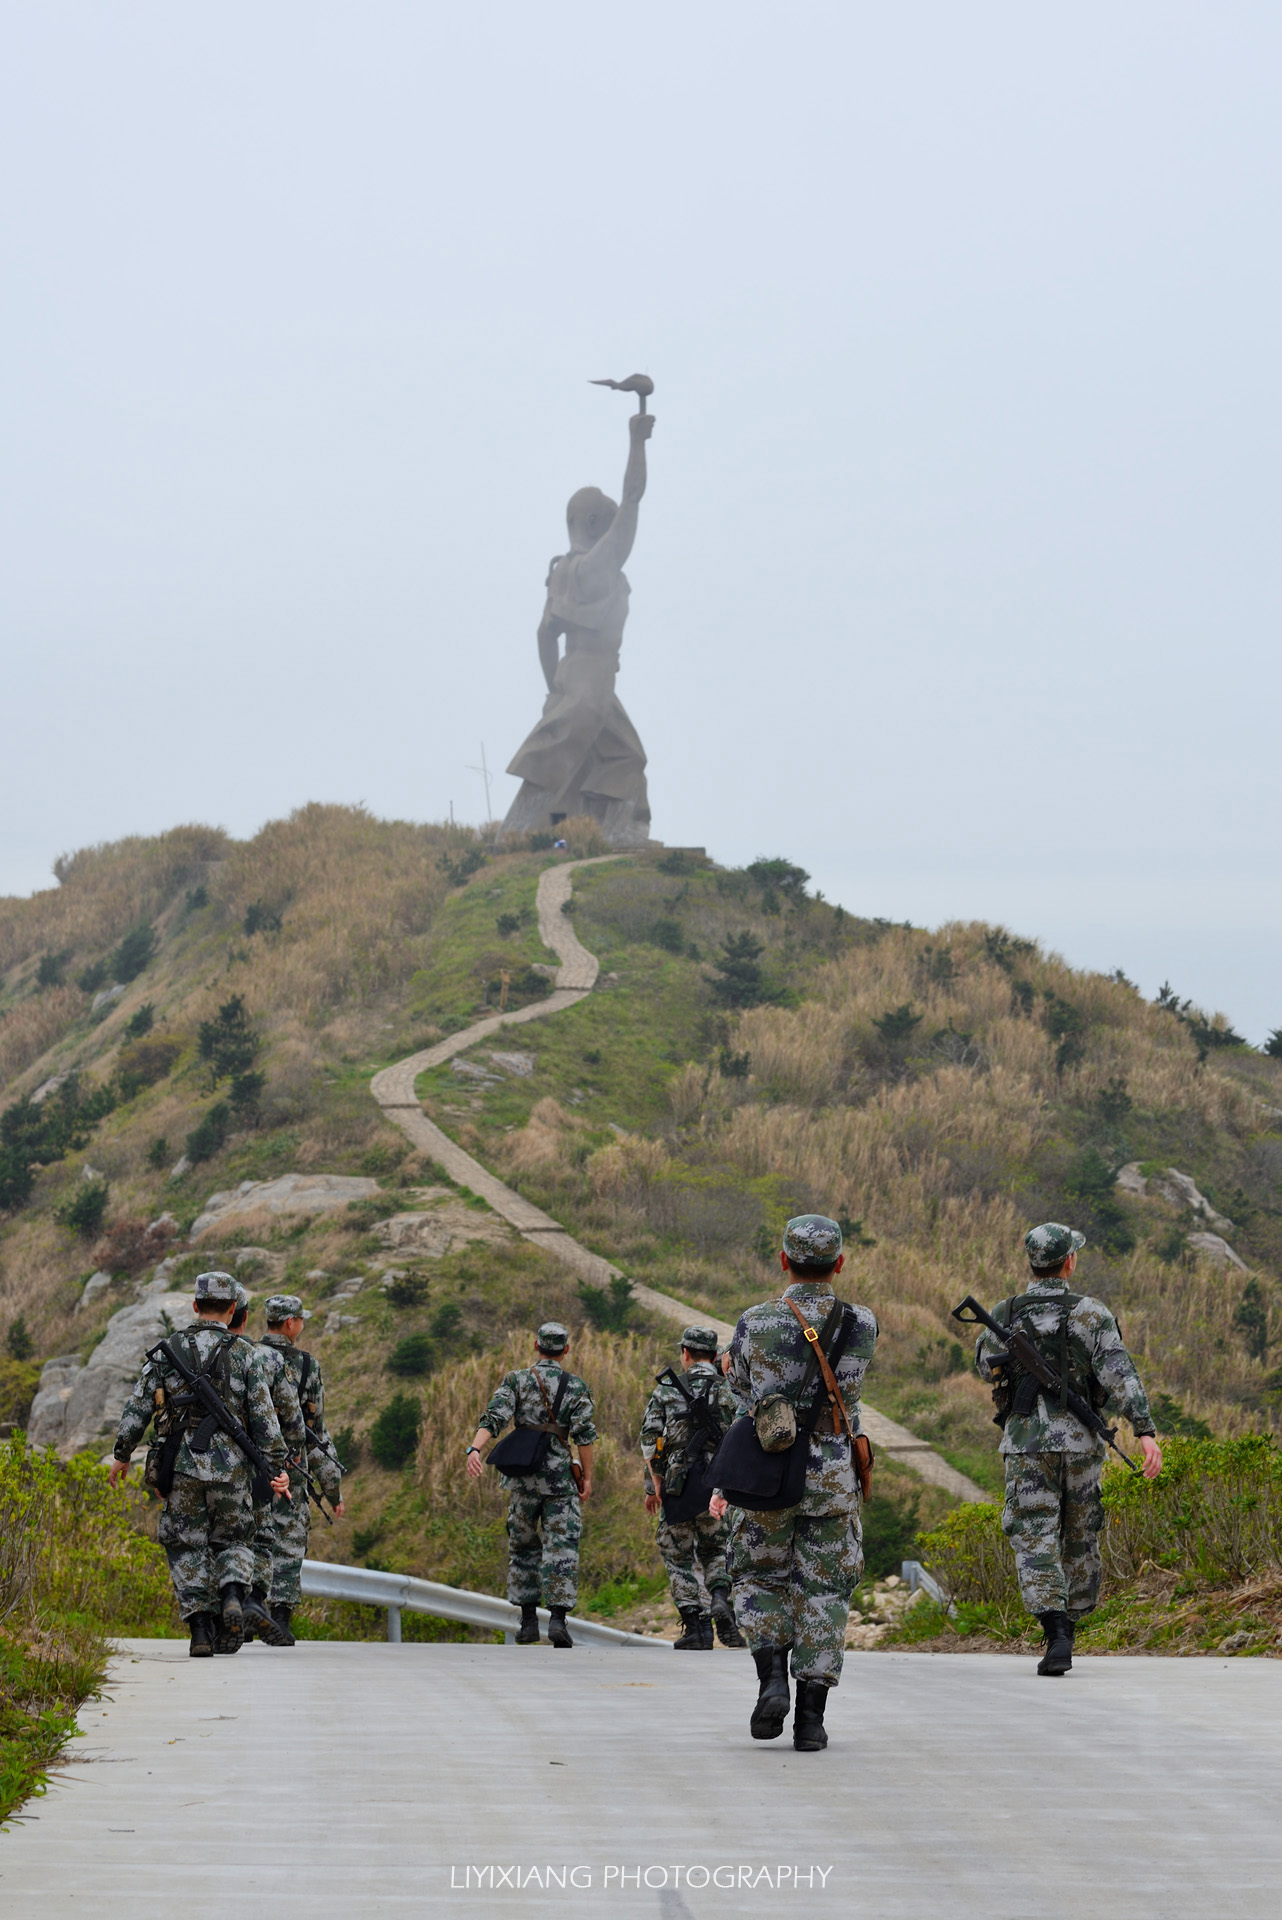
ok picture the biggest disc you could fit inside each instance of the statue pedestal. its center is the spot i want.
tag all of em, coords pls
(535, 810)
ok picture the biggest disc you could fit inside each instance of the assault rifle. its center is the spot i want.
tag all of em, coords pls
(697, 1406)
(217, 1418)
(1017, 1347)
(314, 1440)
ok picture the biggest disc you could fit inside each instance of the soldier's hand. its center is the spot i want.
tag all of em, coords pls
(117, 1471)
(718, 1506)
(475, 1465)
(338, 1509)
(652, 1504)
(585, 1491)
(1152, 1456)
(281, 1483)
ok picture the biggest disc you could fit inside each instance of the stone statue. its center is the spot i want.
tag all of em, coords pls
(584, 755)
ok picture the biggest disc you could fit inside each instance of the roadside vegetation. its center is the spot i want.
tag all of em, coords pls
(182, 1015)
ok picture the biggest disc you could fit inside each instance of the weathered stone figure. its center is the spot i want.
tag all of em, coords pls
(584, 756)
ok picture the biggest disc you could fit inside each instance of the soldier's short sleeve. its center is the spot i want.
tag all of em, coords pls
(502, 1407)
(580, 1417)
(988, 1349)
(739, 1378)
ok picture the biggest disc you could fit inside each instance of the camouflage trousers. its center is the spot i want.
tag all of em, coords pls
(793, 1575)
(207, 1531)
(281, 1532)
(1052, 1518)
(543, 1532)
(694, 1556)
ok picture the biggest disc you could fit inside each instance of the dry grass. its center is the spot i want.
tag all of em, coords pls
(30, 1028)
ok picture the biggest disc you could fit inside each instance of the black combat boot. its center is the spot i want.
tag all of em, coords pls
(691, 1640)
(808, 1732)
(1058, 1657)
(225, 1642)
(527, 1634)
(706, 1640)
(281, 1616)
(233, 1603)
(723, 1618)
(773, 1701)
(258, 1620)
(202, 1636)
(558, 1632)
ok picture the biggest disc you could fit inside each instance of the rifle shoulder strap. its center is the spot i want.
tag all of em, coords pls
(840, 1419)
(305, 1375)
(553, 1407)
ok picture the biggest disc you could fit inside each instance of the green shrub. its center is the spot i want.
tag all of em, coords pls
(158, 1153)
(135, 952)
(394, 1435)
(94, 977)
(507, 924)
(1273, 1045)
(890, 1534)
(1169, 1417)
(408, 1289)
(446, 1321)
(246, 1092)
(18, 1383)
(1215, 1510)
(196, 898)
(668, 935)
(18, 1343)
(898, 1026)
(260, 919)
(608, 1309)
(144, 1062)
(209, 1138)
(347, 1447)
(970, 1557)
(779, 876)
(411, 1356)
(140, 1022)
(50, 970)
(228, 1042)
(739, 982)
(542, 842)
(85, 1210)
(1251, 1320)
(459, 868)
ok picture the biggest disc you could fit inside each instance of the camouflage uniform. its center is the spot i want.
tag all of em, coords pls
(545, 1502)
(693, 1551)
(280, 1542)
(207, 1527)
(1053, 1513)
(794, 1570)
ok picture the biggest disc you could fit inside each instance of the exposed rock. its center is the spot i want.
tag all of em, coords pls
(337, 1321)
(160, 1279)
(1215, 1249)
(521, 1064)
(87, 1413)
(347, 1289)
(48, 1417)
(47, 1087)
(179, 1168)
(469, 1070)
(95, 1286)
(106, 997)
(433, 1233)
(166, 1227)
(1174, 1187)
(273, 1263)
(292, 1193)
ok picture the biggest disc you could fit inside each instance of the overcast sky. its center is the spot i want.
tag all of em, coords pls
(958, 578)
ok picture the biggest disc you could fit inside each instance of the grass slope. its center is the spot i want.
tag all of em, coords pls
(936, 1091)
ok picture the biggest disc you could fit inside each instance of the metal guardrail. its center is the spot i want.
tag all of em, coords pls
(324, 1580)
(914, 1575)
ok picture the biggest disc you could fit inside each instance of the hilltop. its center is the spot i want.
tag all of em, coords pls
(186, 1014)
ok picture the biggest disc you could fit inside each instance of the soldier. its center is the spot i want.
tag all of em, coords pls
(207, 1527)
(285, 1401)
(682, 1425)
(1053, 1511)
(280, 1544)
(795, 1568)
(551, 1400)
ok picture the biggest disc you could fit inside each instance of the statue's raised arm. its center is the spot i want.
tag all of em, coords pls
(611, 551)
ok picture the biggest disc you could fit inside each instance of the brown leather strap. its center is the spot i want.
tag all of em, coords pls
(840, 1420)
(562, 1433)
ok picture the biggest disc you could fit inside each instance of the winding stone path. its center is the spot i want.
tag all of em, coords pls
(576, 976)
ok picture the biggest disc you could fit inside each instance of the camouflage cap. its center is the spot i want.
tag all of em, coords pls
(812, 1239)
(552, 1337)
(1051, 1244)
(700, 1340)
(242, 1296)
(285, 1306)
(218, 1288)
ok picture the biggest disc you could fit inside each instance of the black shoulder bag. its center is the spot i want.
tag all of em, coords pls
(697, 1489)
(526, 1448)
(762, 1482)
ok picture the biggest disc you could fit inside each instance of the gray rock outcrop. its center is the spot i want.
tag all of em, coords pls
(1175, 1187)
(79, 1406)
(1217, 1250)
(292, 1193)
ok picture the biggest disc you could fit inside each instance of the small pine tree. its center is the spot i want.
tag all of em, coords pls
(608, 1309)
(18, 1343)
(1252, 1321)
(228, 1042)
(85, 1210)
(411, 1356)
(136, 951)
(740, 982)
(1273, 1045)
(393, 1438)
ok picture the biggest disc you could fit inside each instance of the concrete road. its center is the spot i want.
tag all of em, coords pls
(352, 1780)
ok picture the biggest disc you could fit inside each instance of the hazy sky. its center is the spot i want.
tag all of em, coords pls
(958, 578)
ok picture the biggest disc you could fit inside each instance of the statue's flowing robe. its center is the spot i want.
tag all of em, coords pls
(585, 743)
